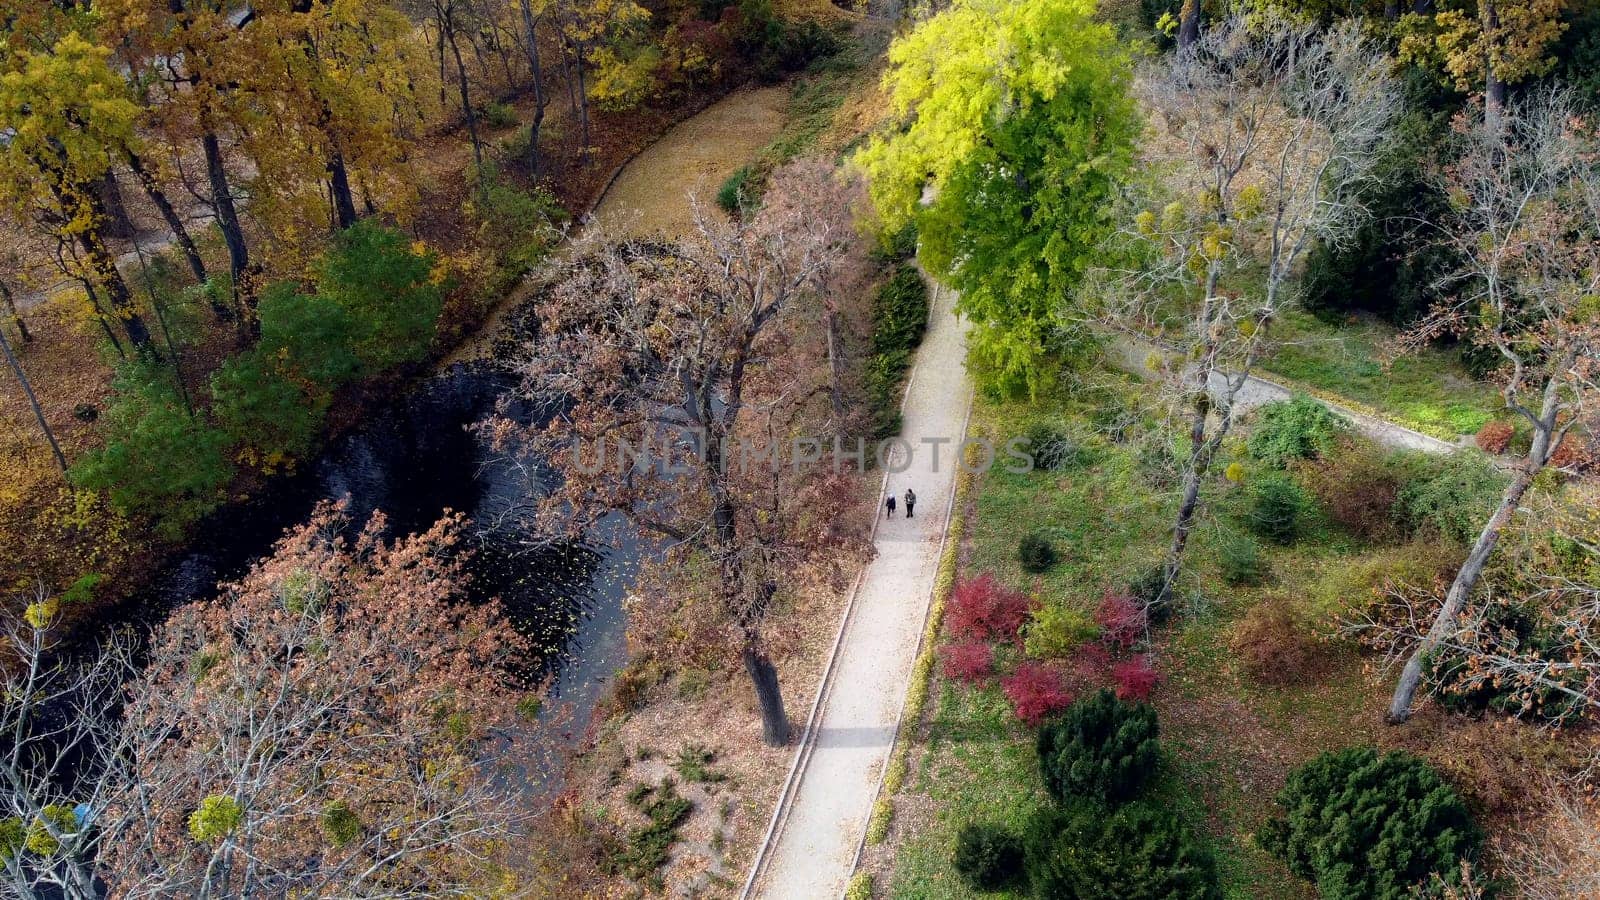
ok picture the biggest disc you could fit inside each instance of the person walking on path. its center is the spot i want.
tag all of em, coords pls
(889, 506)
(911, 502)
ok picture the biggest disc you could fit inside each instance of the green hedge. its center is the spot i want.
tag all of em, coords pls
(900, 317)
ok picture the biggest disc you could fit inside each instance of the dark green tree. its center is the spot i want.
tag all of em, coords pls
(267, 416)
(388, 290)
(1135, 852)
(1101, 749)
(309, 334)
(1370, 826)
(158, 459)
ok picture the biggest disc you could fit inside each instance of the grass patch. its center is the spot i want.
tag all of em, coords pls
(1228, 741)
(1429, 391)
(694, 765)
(981, 767)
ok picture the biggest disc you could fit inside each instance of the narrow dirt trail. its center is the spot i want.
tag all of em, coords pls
(825, 806)
(649, 195)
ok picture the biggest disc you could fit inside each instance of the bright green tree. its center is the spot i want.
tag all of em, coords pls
(159, 459)
(386, 286)
(1015, 117)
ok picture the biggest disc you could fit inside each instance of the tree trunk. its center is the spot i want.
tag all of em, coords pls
(9, 303)
(1200, 446)
(33, 400)
(1194, 476)
(1494, 89)
(1189, 23)
(109, 277)
(344, 202)
(539, 100)
(583, 108)
(117, 224)
(100, 315)
(1466, 580)
(836, 368)
(180, 233)
(1444, 624)
(227, 213)
(764, 676)
(466, 100)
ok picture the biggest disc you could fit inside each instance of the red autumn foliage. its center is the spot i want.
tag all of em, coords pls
(1121, 619)
(1577, 453)
(983, 608)
(1494, 437)
(1035, 691)
(1136, 678)
(969, 661)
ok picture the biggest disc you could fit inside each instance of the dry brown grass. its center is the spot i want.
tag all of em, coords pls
(717, 711)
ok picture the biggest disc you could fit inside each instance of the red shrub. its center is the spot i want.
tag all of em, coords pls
(1494, 437)
(1577, 453)
(982, 607)
(1121, 619)
(1136, 678)
(1035, 691)
(972, 661)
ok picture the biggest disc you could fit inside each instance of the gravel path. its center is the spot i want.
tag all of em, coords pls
(1131, 355)
(828, 800)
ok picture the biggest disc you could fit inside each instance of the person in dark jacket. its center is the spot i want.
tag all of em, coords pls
(889, 507)
(911, 502)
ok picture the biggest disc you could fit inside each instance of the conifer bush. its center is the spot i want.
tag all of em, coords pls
(1454, 499)
(1103, 749)
(1372, 826)
(1298, 428)
(1134, 852)
(1050, 447)
(1035, 553)
(988, 857)
(1279, 508)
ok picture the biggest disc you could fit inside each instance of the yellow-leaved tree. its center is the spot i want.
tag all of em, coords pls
(68, 113)
(1485, 45)
(1013, 126)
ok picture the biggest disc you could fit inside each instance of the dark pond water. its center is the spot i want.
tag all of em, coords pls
(414, 459)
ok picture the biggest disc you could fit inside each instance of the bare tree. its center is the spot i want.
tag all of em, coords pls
(1264, 134)
(1556, 856)
(334, 725)
(61, 762)
(329, 719)
(1527, 196)
(684, 350)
